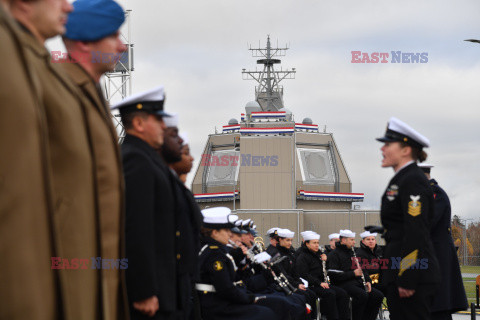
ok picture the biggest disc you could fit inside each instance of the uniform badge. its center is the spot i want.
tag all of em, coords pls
(414, 206)
(218, 266)
(392, 192)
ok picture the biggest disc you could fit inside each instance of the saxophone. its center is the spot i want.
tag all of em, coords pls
(325, 274)
(358, 267)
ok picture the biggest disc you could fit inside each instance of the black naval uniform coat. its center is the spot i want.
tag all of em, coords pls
(450, 297)
(370, 262)
(149, 229)
(406, 211)
(228, 301)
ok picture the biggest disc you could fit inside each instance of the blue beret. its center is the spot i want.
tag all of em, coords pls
(92, 20)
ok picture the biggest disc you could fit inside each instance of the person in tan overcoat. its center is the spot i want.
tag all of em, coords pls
(75, 218)
(28, 287)
(93, 29)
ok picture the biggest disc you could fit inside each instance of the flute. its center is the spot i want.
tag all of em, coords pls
(358, 267)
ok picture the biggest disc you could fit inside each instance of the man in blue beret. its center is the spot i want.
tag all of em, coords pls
(93, 44)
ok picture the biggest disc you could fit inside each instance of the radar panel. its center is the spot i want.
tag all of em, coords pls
(223, 168)
(316, 166)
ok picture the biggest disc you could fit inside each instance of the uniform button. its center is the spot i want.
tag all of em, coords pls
(178, 256)
(178, 233)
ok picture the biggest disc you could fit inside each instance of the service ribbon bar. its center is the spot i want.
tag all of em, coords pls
(330, 196)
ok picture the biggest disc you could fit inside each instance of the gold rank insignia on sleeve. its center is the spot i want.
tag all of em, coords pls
(414, 206)
(409, 260)
(218, 265)
(213, 247)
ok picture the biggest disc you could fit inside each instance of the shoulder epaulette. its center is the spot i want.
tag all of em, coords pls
(213, 247)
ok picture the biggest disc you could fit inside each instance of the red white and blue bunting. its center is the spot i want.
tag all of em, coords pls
(231, 128)
(217, 196)
(308, 127)
(330, 196)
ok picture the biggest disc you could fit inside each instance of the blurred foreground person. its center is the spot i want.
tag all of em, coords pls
(450, 296)
(188, 220)
(406, 212)
(75, 230)
(93, 34)
(185, 164)
(29, 288)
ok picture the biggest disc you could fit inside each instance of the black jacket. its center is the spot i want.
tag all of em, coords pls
(287, 266)
(370, 260)
(150, 225)
(217, 269)
(451, 294)
(342, 265)
(309, 266)
(406, 212)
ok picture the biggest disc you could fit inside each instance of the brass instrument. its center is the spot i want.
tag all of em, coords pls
(260, 242)
(375, 278)
(324, 266)
(358, 267)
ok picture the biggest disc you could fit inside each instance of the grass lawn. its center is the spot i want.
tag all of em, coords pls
(470, 269)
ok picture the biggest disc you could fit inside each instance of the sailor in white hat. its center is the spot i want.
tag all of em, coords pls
(369, 255)
(248, 237)
(221, 297)
(272, 233)
(311, 265)
(348, 274)
(285, 249)
(406, 211)
(332, 239)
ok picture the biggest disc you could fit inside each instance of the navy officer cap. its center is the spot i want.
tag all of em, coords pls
(150, 101)
(93, 20)
(399, 131)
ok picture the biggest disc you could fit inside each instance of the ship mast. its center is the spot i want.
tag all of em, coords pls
(268, 93)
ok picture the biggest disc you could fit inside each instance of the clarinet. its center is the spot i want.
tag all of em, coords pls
(358, 267)
(325, 274)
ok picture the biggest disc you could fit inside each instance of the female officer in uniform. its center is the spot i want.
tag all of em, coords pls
(220, 297)
(407, 208)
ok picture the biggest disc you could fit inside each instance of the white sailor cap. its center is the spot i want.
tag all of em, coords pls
(247, 223)
(184, 137)
(347, 233)
(426, 167)
(310, 235)
(150, 101)
(285, 233)
(272, 231)
(333, 236)
(398, 130)
(367, 234)
(171, 121)
(218, 218)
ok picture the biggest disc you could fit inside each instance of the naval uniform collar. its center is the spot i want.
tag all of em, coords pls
(403, 167)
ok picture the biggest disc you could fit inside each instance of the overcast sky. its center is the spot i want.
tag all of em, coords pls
(197, 49)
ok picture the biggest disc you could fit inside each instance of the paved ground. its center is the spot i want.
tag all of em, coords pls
(469, 275)
(456, 316)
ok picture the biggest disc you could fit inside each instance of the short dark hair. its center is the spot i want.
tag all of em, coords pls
(206, 232)
(127, 118)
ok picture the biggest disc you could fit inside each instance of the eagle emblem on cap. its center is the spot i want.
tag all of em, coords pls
(414, 206)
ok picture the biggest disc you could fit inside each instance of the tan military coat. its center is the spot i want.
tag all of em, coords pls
(27, 284)
(76, 218)
(110, 189)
